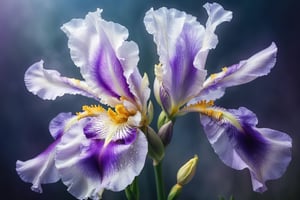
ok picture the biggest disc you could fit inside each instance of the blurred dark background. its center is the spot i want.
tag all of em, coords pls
(30, 31)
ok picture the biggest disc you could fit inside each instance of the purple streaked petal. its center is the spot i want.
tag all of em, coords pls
(39, 170)
(165, 100)
(88, 165)
(245, 71)
(97, 48)
(82, 182)
(178, 38)
(265, 152)
(122, 160)
(102, 127)
(48, 84)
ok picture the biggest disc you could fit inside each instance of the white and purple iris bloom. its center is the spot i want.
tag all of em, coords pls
(181, 87)
(105, 148)
(97, 148)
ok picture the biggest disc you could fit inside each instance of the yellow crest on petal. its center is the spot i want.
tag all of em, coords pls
(121, 114)
(90, 111)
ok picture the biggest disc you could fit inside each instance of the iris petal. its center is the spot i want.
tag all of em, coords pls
(41, 169)
(98, 48)
(88, 164)
(265, 152)
(48, 84)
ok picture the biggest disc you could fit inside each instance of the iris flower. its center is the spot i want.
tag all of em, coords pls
(95, 147)
(181, 87)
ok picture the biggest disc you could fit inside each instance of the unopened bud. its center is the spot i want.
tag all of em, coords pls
(156, 149)
(166, 132)
(162, 119)
(150, 112)
(187, 171)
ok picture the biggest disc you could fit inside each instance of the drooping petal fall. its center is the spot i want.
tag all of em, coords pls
(41, 169)
(99, 155)
(240, 144)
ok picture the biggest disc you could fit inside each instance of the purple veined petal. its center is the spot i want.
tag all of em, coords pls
(85, 183)
(88, 165)
(97, 47)
(48, 84)
(240, 144)
(112, 125)
(123, 158)
(178, 37)
(245, 71)
(41, 169)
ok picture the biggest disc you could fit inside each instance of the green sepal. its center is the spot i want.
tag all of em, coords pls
(175, 192)
(156, 149)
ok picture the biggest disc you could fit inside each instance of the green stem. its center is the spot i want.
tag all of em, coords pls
(159, 181)
(132, 191)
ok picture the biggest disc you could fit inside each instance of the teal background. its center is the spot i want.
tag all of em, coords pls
(30, 31)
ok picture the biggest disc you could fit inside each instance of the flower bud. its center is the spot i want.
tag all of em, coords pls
(156, 149)
(150, 112)
(187, 171)
(162, 119)
(166, 132)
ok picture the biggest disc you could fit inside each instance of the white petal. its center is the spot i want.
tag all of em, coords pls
(39, 170)
(48, 84)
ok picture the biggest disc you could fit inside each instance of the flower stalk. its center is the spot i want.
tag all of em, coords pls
(132, 191)
(160, 190)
